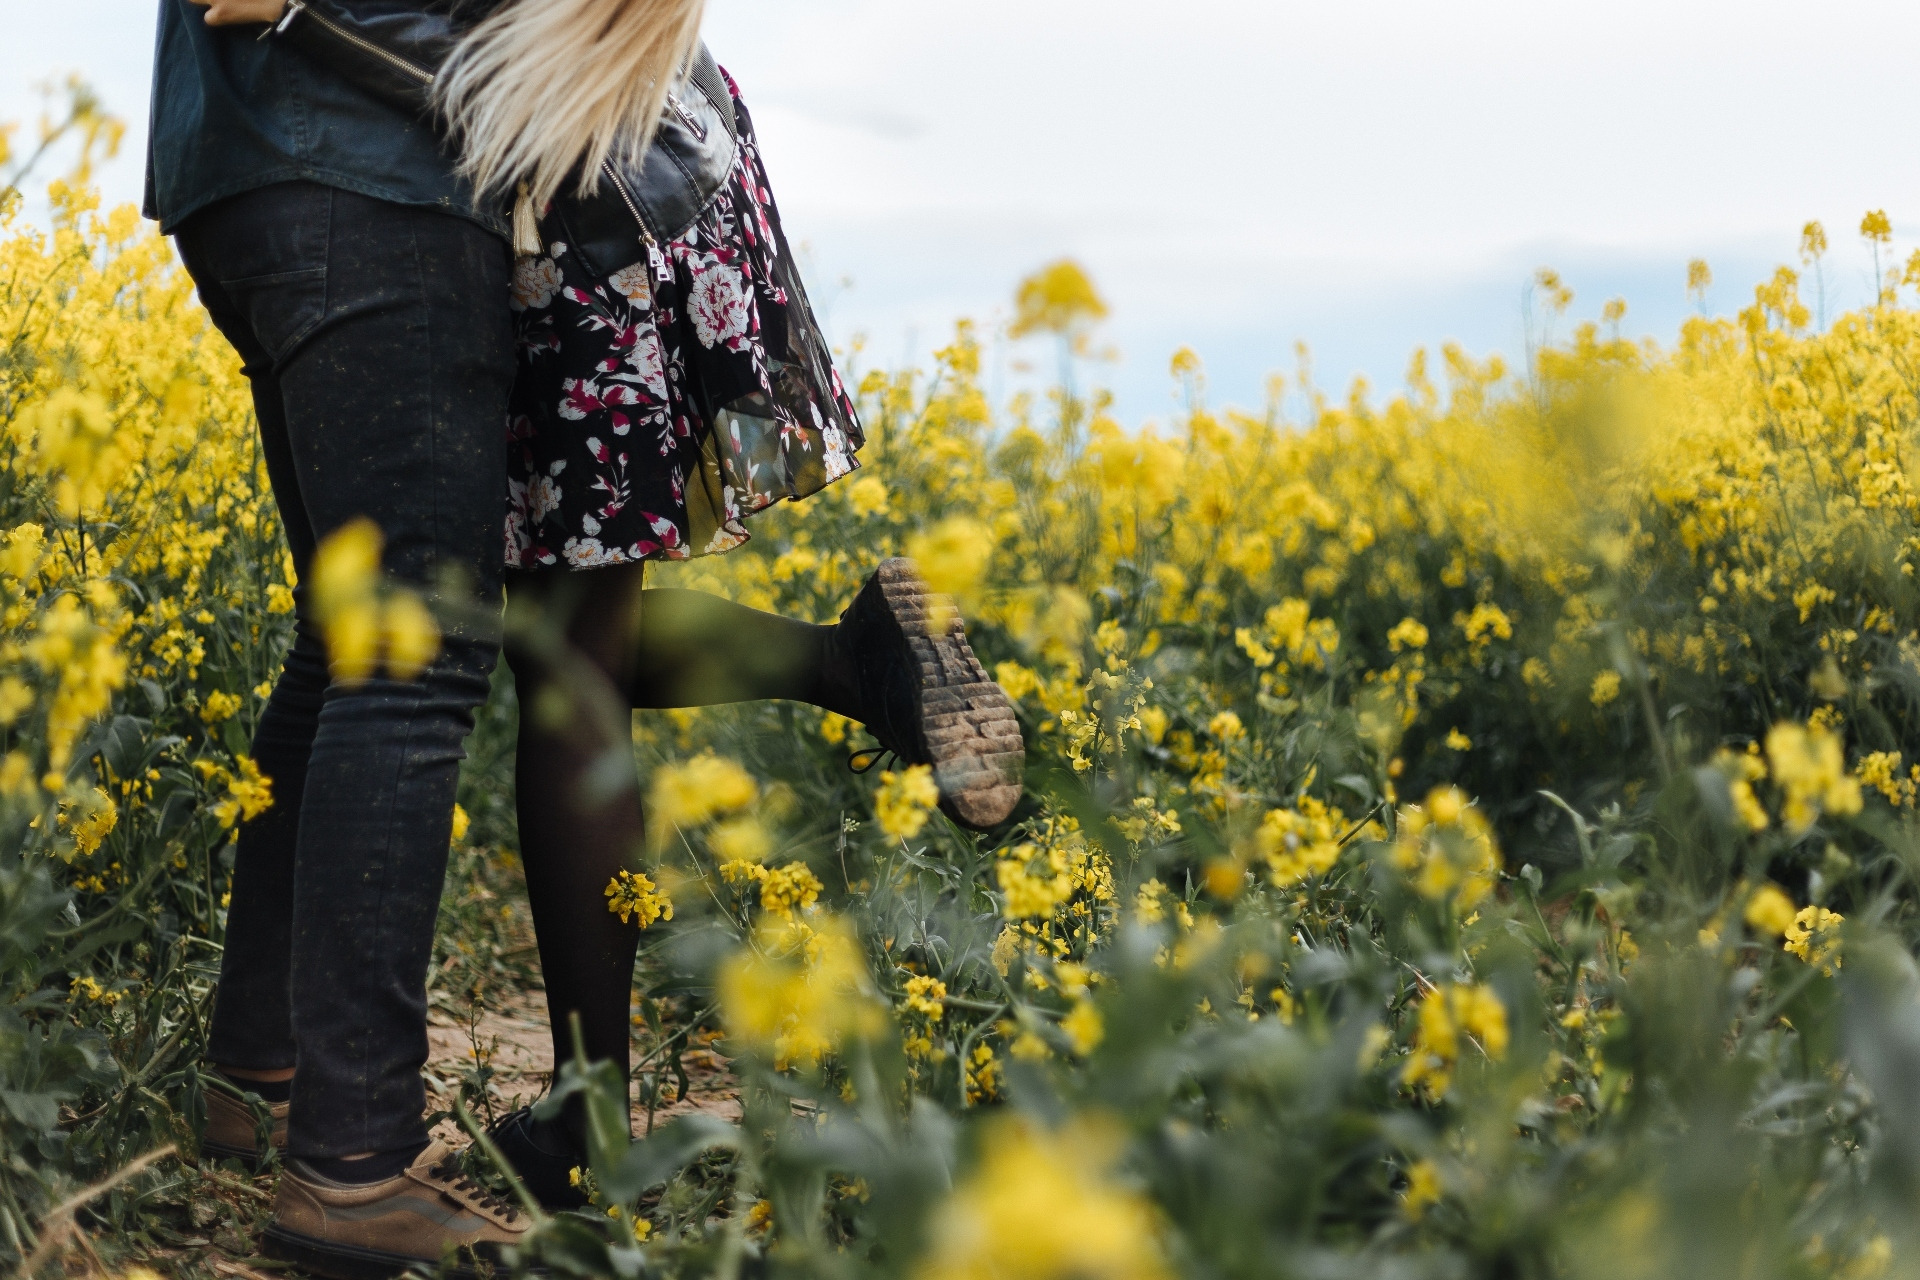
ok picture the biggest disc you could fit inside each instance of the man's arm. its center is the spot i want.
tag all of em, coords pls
(393, 54)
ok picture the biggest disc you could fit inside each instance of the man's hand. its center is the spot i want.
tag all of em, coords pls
(229, 13)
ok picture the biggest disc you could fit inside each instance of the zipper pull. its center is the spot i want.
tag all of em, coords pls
(286, 19)
(687, 117)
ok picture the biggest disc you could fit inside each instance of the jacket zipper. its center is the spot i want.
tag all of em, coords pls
(687, 117)
(626, 198)
(296, 7)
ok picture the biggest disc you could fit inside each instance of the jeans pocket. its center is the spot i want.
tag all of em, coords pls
(280, 310)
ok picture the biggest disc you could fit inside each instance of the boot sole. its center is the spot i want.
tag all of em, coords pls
(339, 1261)
(966, 720)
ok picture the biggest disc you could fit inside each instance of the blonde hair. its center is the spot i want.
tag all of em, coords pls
(543, 85)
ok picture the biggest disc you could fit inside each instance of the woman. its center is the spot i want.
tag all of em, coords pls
(672, 381)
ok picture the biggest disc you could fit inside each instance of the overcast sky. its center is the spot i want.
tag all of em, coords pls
(1367, 176)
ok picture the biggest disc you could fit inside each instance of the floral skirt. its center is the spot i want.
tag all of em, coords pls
(655, 408)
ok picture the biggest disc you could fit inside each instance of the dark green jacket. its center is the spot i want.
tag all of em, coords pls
(232, 112)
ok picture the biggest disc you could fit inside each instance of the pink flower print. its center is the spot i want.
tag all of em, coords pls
(535, 282)
(580, 398)
(718, 306)
(666, 530)
(599, 451)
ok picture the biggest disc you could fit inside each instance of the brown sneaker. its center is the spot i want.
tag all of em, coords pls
(931, 701)
(428, 1212)
(233, 1131)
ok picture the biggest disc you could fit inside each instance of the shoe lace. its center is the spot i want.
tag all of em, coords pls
(867, 758)
(450, 1172)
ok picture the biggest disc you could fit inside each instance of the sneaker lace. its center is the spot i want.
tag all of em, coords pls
(450, 1172)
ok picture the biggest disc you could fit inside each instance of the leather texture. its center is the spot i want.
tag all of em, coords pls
(670, 185)
(655, 196)
(389, 51)
(415, 1215)
(233, 1133)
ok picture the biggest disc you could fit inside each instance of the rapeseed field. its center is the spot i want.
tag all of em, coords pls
(1471, 831)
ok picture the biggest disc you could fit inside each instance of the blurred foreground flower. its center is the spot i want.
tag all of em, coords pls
(364, 620)
(798, 991)
(1042, 1205)
(691, 793)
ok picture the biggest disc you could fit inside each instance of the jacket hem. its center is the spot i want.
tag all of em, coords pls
(170, 221)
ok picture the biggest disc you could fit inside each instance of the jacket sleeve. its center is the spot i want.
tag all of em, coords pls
(390, 52)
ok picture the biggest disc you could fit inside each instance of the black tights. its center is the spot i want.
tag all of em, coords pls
(585, 648)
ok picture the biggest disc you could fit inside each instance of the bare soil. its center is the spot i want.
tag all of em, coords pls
(513, 1041)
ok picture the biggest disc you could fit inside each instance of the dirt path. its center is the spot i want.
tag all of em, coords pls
(228, 1211)
(513, 1041)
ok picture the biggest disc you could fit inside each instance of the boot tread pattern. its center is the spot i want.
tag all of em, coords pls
(972, 735)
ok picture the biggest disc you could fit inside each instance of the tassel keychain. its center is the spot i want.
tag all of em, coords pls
(526, 227)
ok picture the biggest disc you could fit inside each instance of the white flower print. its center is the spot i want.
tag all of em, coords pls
(634, 283)
(588, 553)
(834, 454)
(649, 361)
(543, 498)
(536, 282)
(589, 526)
(718, 304)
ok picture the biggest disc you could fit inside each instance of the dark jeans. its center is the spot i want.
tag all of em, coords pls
(378, 342)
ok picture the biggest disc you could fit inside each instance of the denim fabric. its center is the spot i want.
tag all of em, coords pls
(377, 339)
(232, 112)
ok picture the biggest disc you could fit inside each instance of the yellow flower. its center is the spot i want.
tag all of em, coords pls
(1058, 299)
(1458, 741)
(1226, 727)
(740, 840)
(926, 995)
(904, 801)
(460, 824)
(796, 993)
(1084, 1027)
(1032, 894)
(1040, 1205)
(1769, 910)
(1606, 688)
(88, 822)
(867, 496)
(1446, 850)
(16, 699)
(952, 556)
(1809, 764)
(1814, 937)
(220, 705)
(248, 796)
(788, 889)
(1445, 1015)
(1423, 1188)
(362, 618)
(688, 794)
(633, 894)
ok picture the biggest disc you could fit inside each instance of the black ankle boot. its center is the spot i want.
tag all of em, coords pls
(545, 1155)
(927, 697)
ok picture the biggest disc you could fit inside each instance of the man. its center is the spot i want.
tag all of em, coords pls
(366, 293)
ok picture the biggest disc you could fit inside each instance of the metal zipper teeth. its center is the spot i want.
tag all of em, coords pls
(626, 198)
(417, 72)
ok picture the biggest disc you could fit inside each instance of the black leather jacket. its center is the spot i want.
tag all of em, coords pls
(394, 50)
